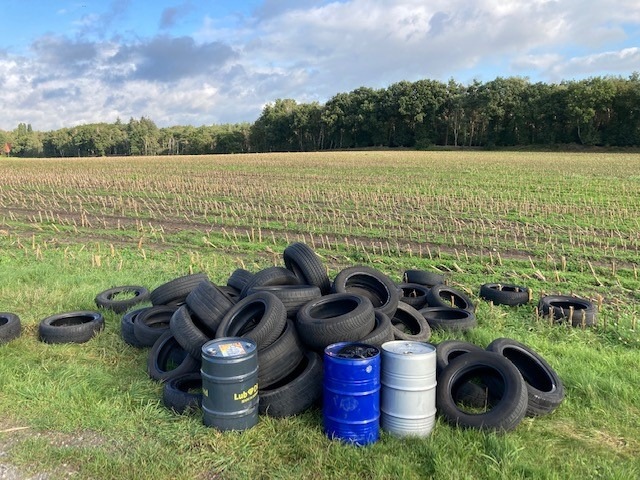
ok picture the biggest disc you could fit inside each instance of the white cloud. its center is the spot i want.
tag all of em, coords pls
(619, 62)
(308, 50)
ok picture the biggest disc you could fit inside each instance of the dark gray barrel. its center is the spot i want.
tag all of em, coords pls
(230, 383)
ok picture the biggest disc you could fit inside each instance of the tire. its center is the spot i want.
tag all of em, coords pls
(293, 297)
(470, 393)
(239, 278)
(545, 390)
(494, 370)
(10, 327)
(559, 307)
(444, 296)
(383, 291)
(281, 357)
(168, 359)
(231, 293)
(106, 299)
(71, 327)
(295, 393)
(174, 292)
(449, 319)
(451, 349)
(270, 277)
(413, 294)
(382, 331)
(150, 324)
(183, 393)
(260, 317)
(423, 277)
(409, 324)
(187, 333)
(208, 305)
(337, 317)
(306, 265)
(127, 329)
(499, 294)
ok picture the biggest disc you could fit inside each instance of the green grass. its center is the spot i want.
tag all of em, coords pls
(558, 223)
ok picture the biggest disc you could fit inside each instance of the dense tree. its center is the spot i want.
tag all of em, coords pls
(25, 142)
(503, 112)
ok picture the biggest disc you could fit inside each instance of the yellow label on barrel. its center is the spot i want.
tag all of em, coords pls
(246, 395)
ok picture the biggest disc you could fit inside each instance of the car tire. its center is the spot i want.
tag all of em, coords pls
(71, 327)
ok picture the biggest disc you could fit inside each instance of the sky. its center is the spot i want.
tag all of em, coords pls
(196, 62)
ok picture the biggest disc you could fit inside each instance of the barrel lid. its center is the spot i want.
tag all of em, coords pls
(229, 347)
(351, 350)
(407, 347)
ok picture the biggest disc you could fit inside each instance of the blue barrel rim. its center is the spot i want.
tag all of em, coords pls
(330, 350)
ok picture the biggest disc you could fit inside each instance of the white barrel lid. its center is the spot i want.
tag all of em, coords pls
(407, 347)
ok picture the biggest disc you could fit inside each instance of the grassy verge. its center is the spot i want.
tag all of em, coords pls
(90, 410)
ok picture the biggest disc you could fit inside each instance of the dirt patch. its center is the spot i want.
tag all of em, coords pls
(12, 434)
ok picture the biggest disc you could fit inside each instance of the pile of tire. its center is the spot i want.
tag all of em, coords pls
(292, 312)
(496, 387)
(443, 307)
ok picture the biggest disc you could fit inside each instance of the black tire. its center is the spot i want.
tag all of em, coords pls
(260, 317)
(127, 330)
(564, 308)
(208, 305)
(239, 278)
(409, 324)
(449, 319)
(544, 388)
(106, 299)
(71, 327)
(183, 393)
(448, 350)
(382, 331)
(337, 317)
(504, 294)
(293, 297)
(444, 296)
(168, 359)
(10, 327)
(281, 357)
(499, 375)
(269, 277)
(296, 392)
(423, 277)
(231, 293)
(413, 294)
(150, 324)
(470, 393)
(306, 265)
(383, 291)
(174, 292)
(187, 333)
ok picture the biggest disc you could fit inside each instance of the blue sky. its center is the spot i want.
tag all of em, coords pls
(188, 62)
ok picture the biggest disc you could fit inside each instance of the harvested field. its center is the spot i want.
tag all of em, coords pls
(561, 223)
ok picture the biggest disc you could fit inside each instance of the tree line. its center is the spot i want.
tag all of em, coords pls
(499, 113)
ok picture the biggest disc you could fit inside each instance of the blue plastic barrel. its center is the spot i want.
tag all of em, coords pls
(351, 393)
